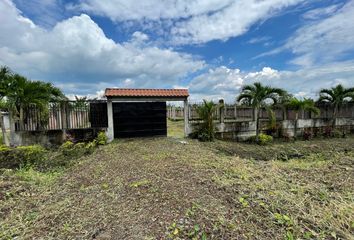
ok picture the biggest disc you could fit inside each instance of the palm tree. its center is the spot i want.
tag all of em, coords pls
(301, 105)
(337, 96)
(21, 93)
(205, 112)
(257, 96)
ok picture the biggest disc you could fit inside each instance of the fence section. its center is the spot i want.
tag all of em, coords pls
(234, 112)
(62, 115)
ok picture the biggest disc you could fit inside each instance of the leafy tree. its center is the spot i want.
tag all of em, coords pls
(205, 111)
(257, 95)
(301, 105)
(21, 93)
(80, 102)
(337, 96)
(5, 76)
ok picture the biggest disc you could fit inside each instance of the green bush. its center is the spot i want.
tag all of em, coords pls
(90, 147)
(263, 139)
(23, 156)
(338, 134)
(205, 136)
(101, 138)
(206, 131)
(69, 149)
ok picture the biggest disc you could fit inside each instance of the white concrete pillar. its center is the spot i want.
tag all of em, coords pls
(110, 129)
(186, 113)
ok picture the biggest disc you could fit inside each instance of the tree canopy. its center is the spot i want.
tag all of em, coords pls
(21, 92)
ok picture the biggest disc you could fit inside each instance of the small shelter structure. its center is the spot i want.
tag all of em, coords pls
(141, 112)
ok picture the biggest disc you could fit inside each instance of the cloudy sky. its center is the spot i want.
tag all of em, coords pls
(212, 47)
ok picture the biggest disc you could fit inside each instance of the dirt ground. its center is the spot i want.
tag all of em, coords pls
(170, 188)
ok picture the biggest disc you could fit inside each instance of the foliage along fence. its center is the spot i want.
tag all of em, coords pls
(234, 112)
(63, 115)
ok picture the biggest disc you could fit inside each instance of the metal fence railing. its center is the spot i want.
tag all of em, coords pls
(233, 112)
(62, 115)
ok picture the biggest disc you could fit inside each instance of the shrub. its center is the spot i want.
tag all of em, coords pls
(205, 136)
(286, 137)
(23, 156)
(70, 149)
(338, 134)
(90, 147)
(328, 131)
(101, 138)
(67, 148)
(263, 139)
(206, 131)
(308, 134)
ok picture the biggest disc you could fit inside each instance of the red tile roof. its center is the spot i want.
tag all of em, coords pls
(135, 92)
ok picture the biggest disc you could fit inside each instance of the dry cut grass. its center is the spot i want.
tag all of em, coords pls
(166, 189)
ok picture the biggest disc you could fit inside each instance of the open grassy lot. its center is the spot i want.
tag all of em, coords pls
(162, 188)
(175, 128)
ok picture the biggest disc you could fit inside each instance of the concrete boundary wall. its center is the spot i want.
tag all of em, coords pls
(53, 137)
(242, 130)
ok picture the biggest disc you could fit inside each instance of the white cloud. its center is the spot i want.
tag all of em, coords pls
(259, 40)
(231, 21)
(325, 40)
(122, 10)
(322, 41)
(226, 83)
(319, 13)
(216, 83)
(267, 73)
(196, 21)
(76, 52)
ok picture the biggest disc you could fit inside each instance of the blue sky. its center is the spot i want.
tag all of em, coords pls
(211, 47)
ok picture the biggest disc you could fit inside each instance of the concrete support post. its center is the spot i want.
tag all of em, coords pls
(186, 118)
(12, 129)
(221, 110)
(3, 130)
(110, 129)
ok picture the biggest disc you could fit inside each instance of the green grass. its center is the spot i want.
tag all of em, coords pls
(175, 128)
(160, 188)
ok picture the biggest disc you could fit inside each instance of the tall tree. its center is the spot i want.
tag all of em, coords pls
(298, 105)
(257, 96)
(337, 96)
